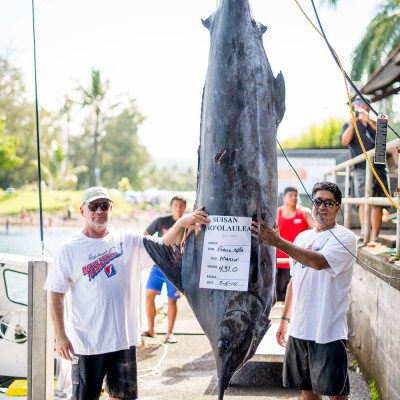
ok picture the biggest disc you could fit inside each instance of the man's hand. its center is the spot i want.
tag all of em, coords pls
(269, 235)
(363, 116)
(281, 333)
(63, 348)
(194, 220)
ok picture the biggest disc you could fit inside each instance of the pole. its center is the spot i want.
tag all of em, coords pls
(398, 202)
(40, 336)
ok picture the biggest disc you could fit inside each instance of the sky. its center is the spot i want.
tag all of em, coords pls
(156, 51)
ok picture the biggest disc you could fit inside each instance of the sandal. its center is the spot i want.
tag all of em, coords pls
(147, 334)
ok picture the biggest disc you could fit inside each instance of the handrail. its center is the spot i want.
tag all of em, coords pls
(367, 200)
(393, 144)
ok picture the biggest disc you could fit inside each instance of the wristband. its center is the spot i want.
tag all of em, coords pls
(285, 319)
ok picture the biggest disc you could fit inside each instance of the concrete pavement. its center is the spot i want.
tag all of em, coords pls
(187, 370)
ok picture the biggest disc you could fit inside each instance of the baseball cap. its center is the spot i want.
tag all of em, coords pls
(95, 193)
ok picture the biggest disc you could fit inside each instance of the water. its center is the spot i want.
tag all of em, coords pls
(26, 241)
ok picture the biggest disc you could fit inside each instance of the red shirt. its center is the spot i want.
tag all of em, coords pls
(289, 229)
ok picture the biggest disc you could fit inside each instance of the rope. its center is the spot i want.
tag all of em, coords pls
(348, 250)
(347, 79)
(37, 130)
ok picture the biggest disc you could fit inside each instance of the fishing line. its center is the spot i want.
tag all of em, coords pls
(316, 208)
(337, 60)
(37, 129)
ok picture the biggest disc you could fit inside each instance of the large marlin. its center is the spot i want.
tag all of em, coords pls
(243, 104)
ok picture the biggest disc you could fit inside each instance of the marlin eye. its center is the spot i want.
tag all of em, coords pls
(223, 344)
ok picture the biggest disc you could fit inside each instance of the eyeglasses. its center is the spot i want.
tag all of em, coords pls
(94, 206)
(327, 203)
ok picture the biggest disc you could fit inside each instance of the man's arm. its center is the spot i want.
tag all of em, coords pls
(63, 345)
(310, 258)
(347, 134)
(193, 220)
(286, 315)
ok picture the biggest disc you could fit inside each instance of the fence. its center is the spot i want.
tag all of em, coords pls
(368, 201)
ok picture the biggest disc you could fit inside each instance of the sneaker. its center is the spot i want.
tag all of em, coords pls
(170, 339)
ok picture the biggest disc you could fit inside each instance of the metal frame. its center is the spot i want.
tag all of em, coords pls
(367, 200)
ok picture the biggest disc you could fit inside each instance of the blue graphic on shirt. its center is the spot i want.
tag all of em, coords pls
(310, 247)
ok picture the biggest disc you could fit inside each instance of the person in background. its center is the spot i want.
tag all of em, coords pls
(292, 219)
(101, 268)
(157, 279)
(367, 129)
(317, 300)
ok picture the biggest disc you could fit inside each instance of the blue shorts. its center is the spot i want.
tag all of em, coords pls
(157, 279)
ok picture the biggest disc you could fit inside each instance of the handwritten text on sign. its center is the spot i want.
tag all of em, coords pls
(226, 253)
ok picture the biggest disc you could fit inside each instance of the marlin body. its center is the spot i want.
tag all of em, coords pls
(243, 104)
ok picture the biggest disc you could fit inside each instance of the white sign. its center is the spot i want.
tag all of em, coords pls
(226, 253)
(310, 171)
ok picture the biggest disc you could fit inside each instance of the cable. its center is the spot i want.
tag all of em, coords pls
(37, 130)
(336, 58)
(347, 79)
(316, 208)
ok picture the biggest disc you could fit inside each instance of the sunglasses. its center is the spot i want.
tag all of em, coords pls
(94, 206)
(327, 203)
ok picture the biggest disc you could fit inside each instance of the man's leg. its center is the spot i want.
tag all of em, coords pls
(309, 395)
(172, 312)
(87, 374)
(121, 378)
(173, 296)
(361, 209)
(151, 309)
(376, 222)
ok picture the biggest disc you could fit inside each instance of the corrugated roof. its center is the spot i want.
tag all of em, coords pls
(385, 81)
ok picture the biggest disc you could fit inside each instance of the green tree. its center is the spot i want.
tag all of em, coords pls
(172, 178)
(381, 38)
(324, 136)
(124, 155)
(95, 98)
(8, 148)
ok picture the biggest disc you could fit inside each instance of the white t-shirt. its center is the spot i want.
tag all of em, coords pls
(103, 276)
(321, 298)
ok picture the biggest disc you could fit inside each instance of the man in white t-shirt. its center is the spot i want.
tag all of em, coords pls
(100, 267)
(317, 299)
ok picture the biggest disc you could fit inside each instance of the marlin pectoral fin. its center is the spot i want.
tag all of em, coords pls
(167, 259)
(279, 106)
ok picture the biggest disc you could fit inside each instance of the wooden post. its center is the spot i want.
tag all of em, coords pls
(347, 206)
(40, 336)
(367, 207)
(398, 203)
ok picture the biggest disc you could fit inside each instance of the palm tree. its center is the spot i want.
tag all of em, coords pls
(382, 37)
(94, 97)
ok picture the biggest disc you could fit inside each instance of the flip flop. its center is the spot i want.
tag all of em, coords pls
(147, 334)
(170, 339)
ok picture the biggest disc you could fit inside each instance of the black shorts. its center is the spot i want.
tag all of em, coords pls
(282, 281)
(359, 183)
(118, 368)
(321, 368)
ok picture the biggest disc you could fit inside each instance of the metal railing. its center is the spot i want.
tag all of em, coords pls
(367, 200)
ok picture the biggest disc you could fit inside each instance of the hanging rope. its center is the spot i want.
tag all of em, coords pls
(37, 130)
(348, 80)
